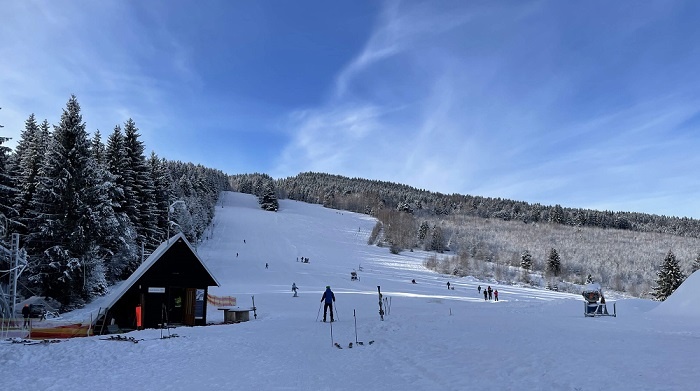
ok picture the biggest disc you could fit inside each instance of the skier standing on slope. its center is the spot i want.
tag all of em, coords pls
(329, 298)
(294, 288)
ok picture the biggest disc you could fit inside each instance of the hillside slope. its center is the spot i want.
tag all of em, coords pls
(431, 339)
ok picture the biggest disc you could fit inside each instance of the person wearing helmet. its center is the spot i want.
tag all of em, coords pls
(329, 298)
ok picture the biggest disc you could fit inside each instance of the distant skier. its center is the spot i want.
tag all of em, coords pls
(495, 294)
(413, 281)
(294, 289)
(266, 265)
(490, 292)
(479, 288)
(448, 285)
(602, 304)
(25, 315)
(329, 298)
(486, 295)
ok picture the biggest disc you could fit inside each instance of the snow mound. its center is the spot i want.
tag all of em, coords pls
(684, 301)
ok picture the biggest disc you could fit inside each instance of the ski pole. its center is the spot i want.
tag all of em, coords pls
(319, 310)
(335, 308)
(332, 341)
(355, 316)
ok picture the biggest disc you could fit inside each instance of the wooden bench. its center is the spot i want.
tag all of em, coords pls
(235, 314)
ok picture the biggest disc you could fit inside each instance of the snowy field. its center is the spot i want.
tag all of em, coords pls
(431, 339)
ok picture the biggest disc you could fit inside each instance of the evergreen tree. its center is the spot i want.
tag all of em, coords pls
(3, 193)
(140, 200)
(437, 240)
(268, 199)
(423, 230)
(7, 191)
(696, 265)
(71, 212)
(526, 260)
(670, 277)
(553, 263)
(162, 193)
(29, 156)
(556, 215)
(99, 151)
(117, 165)
(123, 259)
(589, 279)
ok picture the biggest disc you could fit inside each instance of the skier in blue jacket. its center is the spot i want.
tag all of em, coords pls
(329, 297)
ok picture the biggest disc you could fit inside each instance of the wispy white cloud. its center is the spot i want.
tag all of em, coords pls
(102, 52)
(490, 101)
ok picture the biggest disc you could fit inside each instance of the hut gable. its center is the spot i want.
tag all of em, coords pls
(170, 286)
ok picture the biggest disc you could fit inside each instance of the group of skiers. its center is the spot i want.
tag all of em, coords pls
(489, 293)
(328, 297)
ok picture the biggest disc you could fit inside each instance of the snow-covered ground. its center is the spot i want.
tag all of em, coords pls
(431, 339)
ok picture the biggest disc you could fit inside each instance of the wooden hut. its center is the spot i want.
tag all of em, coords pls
(169, 288)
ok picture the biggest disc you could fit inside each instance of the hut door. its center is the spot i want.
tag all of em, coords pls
(189, 306)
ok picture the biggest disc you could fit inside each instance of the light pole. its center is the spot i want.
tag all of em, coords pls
(169, 210)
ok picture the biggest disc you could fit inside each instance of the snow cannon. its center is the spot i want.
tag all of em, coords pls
(592, 293)
(594, 304)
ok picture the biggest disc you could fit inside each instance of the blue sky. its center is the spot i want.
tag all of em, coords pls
(585, 104)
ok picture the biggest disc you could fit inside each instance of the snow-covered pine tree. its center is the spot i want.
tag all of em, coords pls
(99, 152)
(696, 265)
(162, 192)
(526, 260)
(670, 277)
(7, 191)
(143, 215)
(117, 165)
(553, 262)
(268, 199)
(437, 240)
(69, 212)
(423, 231)
(28, 158)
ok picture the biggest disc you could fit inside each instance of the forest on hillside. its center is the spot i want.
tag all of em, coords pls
(505, 240)
(88, 211)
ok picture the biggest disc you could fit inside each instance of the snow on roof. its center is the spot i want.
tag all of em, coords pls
(116, 294)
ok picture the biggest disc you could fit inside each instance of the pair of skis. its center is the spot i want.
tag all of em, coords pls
(337, 345)
(134, 340)
(350, 345)
(35, 341)
(121, 338)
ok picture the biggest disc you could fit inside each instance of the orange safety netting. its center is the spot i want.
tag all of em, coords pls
(221, 301)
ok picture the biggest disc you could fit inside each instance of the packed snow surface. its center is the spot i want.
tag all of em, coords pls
(431, 338)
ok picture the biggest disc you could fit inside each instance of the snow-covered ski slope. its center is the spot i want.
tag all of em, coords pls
(431, 339)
